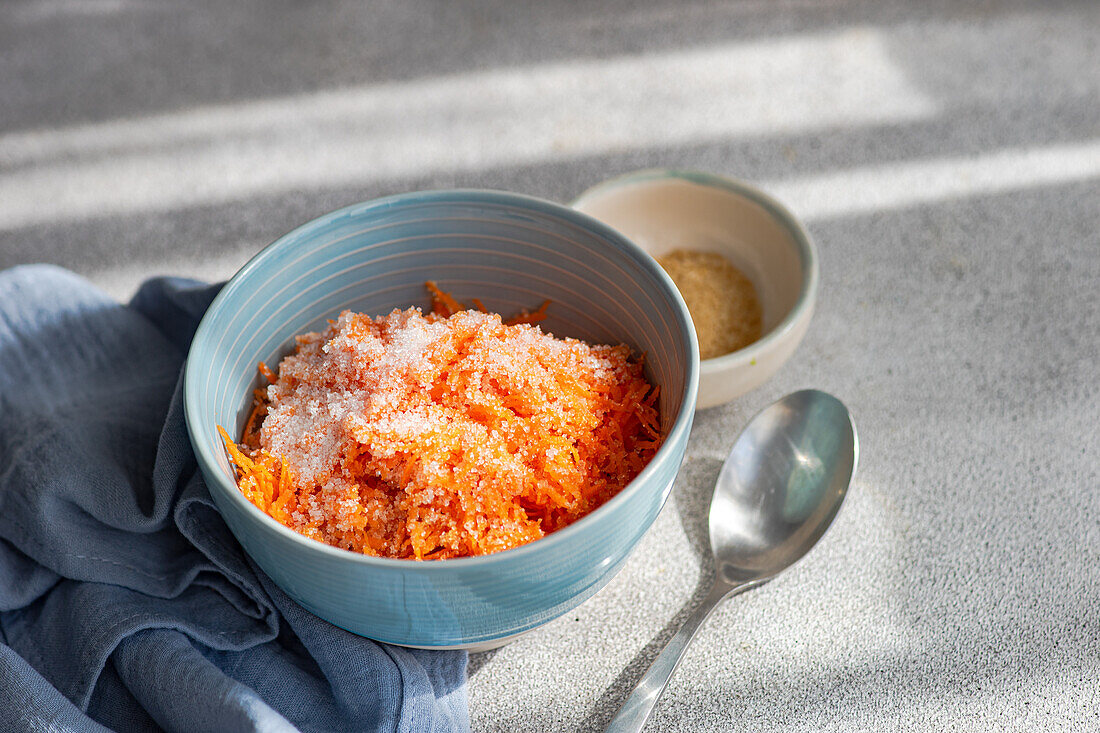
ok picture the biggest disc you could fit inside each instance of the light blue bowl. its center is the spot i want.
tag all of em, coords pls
(512, 252)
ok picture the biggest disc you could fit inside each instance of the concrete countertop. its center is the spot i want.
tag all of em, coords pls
(945, 156)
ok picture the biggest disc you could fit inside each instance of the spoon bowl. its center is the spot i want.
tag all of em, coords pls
(781, 485)
(779, 490)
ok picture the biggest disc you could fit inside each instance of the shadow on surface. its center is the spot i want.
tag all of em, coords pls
(84, 61)
(925, 684)
(617, 692)
(159, 239)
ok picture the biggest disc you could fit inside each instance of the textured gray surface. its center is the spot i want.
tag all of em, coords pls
(946, 158)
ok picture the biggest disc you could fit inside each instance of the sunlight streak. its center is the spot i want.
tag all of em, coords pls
(899, 185)
(466, 122)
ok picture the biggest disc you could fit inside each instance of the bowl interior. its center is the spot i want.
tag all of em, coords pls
(510, 251)
(662, 212)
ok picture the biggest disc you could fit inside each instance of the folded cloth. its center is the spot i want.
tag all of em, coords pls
(124, 599)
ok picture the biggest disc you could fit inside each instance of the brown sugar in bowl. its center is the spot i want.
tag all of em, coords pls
(667, 210)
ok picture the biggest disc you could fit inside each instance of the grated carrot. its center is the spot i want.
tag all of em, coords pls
(525, 317)
(266, 372)
(442, 303)
(446, 435)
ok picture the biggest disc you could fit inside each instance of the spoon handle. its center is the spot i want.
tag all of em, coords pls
(636, 710)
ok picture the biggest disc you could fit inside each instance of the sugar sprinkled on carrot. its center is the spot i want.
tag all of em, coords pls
(446, 435)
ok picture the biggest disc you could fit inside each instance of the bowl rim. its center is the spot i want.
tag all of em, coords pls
(804, 244)
(680, 426)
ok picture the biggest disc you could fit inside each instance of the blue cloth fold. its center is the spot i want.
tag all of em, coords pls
(124, 599)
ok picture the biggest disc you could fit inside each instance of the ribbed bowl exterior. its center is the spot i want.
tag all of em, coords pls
(512, 252)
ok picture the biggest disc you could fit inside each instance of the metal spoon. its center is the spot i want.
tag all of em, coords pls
(779, 490)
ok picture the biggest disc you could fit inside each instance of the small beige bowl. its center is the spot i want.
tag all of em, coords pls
(664, 210)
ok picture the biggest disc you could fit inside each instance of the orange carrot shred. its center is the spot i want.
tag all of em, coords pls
(491, 438)
(266, 372)
(525, 317)
(442, 303)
